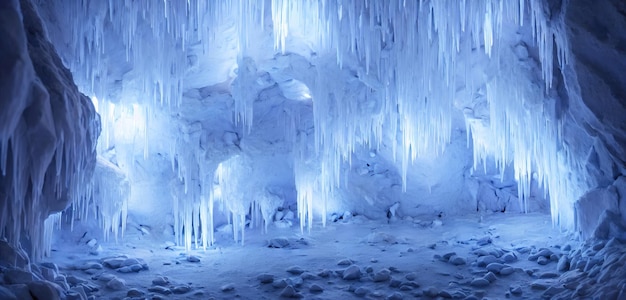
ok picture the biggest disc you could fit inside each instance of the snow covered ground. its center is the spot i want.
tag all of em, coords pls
(502, 255)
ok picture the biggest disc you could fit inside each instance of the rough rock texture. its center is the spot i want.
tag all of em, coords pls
(48, 129)
(595, 93)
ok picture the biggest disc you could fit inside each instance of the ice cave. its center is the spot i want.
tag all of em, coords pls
(317, 149)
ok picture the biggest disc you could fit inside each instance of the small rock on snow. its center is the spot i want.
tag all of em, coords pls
(116, 283)
(382, 275)
(316, 288)
(161, 280)
(159, 290)
(193, 259)
(134, 293)
(431, 292)
(457, 260)
(289, 292)
(265, 278)
(227, 287)
(344, 262)
(353, 272)
(515, 290)
(279, 242)
(181, 289)
(295, 270)
(479, 282)
(361, 291)
(395, 296)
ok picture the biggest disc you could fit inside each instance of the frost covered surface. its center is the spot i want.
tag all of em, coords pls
(225, 120)
(516, 256)
(48, 132)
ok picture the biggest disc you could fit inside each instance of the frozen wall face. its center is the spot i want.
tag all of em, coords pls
(48, 132)
(356, 106)
(594, 90)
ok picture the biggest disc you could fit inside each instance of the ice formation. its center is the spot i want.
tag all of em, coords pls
(48, 132)
(375, 73)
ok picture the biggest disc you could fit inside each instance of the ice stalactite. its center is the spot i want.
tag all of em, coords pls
(409, 51)
(399, 60)
(110, 198)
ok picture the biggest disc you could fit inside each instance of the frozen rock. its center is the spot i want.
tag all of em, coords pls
(316, 288)
(479, 282)
(48, 274)
(50, 265)
(44, 290)
(160, 280)
(509, 257)
(134, 293)
(495, 267)
(21, 291)
(411, 276)
(136, 267)
(381, 237)
(295, 270)
(507, 271)
(105, 277)
(265, 278)
(457, 260)
(160, 290)
(548, 275)
(125, 269)
(491, 277)
(90, 265)
(308, 276)
(483, 261)
(382, 275)
(116, 284)
(76, 293)
(73, 280)
(540, 284)
(394, 283)
(227, 287)
(515, 290)
(324, 273)
(431, 291)
(446, 257)
(280, 284)
(279, 242)
(289, 215)
(361, 291)
(113, 263)
(289, 292)
(92, 242)
(483, 241)
(542, 260)
(344, 262)
(193, 258)
(395, 296)
(563, 264)
(445, 294)
(353, 272)
(17, 276)
(181, 289)
(10, 257)
(6, 294)
(369, 269)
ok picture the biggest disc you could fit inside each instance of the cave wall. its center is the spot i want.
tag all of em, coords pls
(594, 90)
(48, 131)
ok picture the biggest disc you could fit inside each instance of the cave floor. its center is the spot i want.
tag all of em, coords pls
(401, 259)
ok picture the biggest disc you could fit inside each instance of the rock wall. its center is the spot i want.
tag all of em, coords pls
(595, 93)
(48, 130)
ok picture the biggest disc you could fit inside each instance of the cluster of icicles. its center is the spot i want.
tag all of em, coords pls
(408, 60)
